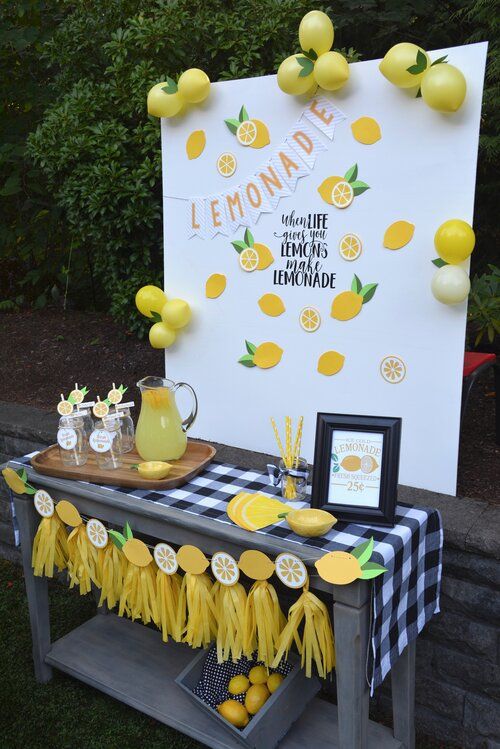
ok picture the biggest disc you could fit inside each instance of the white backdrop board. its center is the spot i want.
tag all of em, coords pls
(422, 170)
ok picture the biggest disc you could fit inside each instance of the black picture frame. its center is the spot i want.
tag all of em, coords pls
(390, 428)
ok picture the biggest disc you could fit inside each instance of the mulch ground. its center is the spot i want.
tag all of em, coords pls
(45, 352)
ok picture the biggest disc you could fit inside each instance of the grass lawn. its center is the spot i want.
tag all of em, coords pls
(65, 712)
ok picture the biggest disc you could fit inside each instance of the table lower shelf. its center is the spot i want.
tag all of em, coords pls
(131, 663)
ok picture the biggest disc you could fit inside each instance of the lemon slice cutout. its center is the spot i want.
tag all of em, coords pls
(342, 194)
(246, 133)
(350, 247)
(100, 409)
(249, 259)
(290, 570)
(225, 568)
(393, 369)
(76, 396)
(330, 363)
(44, 504)
(215, 285)
(68, 513)
(115, 395)
(272, 305)
(226, 164)
(64, 407)
(310, 319)
(97, 533)
(166, 558)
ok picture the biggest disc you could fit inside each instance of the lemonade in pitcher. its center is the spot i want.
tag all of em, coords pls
(161, 432)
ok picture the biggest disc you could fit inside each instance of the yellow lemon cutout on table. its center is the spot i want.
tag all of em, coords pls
(398, 235)
(226, 164)
(215, 285)
(330, 363)
(248, 132)
(264, 356)
(195, 144)
(350, 247)
(342, 567)
(191, 559)
(366, 130)
(348, 304)
(272, 305)
(309, 319)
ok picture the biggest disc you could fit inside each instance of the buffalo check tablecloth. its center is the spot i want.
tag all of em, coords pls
(404, 598)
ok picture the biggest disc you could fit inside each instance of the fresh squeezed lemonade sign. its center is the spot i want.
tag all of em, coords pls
(355, 468)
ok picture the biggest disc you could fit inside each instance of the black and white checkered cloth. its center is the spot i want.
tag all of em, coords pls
(404, 598)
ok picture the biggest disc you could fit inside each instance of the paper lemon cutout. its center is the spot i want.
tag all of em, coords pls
(137, 552)
(265, 255)
(256, 565)
(64, 407)
(77, 395)
(264, 356)
(100, 409)
(342, 568)
(366, 130)
(195, 144)
(252, 255)
(255, 511)
(341, 191)
(215, 285)
(226, 164)
(165, 558)
(224, 568)
(348, 304)
(44, 503)
(191, 559)
(68, 513)
(309, 319)
(330, 363)
(248, 132)
(393, 369)
(115, 395)
(272, 305)
(291, 570)
(97, 533)
(350, 247)
(398, 234)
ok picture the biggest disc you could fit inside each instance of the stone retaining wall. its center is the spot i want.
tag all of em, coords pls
(458, 655)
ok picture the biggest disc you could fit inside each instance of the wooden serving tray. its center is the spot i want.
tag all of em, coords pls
(197, 456)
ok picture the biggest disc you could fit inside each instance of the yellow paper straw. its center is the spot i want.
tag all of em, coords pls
(298, 440)
(278, 440)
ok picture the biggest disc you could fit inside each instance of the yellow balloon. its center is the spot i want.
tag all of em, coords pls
(444, 87)
(176, 313)
(316, 32)
(194, 85)
(331, 71)
(399, 58)
(161, 336)
(150, 299)
(451, 284)
(289, 79)
(454, 240)
(161, 104)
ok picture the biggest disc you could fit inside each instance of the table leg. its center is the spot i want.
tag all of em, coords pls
(403, 696)
(36, 589)
(351, 644)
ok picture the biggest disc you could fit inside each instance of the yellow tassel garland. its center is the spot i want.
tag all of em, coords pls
(50, 547)
(138, 598)
(264, 621)
(111, 571)
(82, 560)
(230, 602)
(317, 643)
(168, 589)
(196, 614)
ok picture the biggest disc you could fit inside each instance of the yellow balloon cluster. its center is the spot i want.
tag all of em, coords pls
(442, 86)
(318, 65)
(168, 98)
(454, 242)
(169, 315)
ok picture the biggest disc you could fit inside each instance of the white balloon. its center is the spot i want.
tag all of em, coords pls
(451, 284)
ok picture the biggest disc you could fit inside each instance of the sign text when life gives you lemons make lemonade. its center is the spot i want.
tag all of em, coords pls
(224, 212)
(305, 248)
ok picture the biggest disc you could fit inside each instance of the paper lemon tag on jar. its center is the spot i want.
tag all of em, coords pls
(44, 503)
(256, 565)
(68, 513)
(291, 570)
(100, 440)
(191, 559)
(66, 438)
(225, 568)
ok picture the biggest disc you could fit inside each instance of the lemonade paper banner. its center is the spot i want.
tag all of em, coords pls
(224, 212)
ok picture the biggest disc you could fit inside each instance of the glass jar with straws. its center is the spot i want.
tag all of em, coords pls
(293, 472)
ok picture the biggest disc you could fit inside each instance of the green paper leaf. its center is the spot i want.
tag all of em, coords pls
(127, 531)
(22, 474)
(71, 400)
(439, 60)
(439, 262)
(155, 316)
(30, 489)
(420, 64)
(249, 238)
(117, 538)
(171, 87)
(368, 291)
(335, 457)
(311, 54)
(356, 285)
(243, 116)
(247, 361)
(251, 348)
(134, 467)
(122, 389)
(239, 246)
(363, 552)
(306, 65)
(233, 125)
(351, 173)
(335, 468)
(359, 187)
(85, 391)
(371, 569)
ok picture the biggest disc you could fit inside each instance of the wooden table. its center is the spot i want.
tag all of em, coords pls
(131, 663)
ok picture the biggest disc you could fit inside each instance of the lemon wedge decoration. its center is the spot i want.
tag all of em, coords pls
(366, 130)
(264, 356)
(153, 469)
(398, 234)
(195, 144)
(272, 305)
(342, 567)
(248, 132)
(330, 363)
(215, 285)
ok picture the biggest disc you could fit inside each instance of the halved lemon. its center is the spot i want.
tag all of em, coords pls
(246, 133)
(350, 247)
(310, 319)
(100, 409)
(154, 469)
(342, 194)
(226, 164)
(249, 259)
(64, 408)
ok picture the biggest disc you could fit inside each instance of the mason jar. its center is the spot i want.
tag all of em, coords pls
(106, 442)
(294, 480)
(73, 441)
(127, 429)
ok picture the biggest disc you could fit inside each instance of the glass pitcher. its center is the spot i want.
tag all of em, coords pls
(161, 433)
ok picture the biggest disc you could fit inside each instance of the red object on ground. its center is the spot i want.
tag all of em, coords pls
(474, 360)
(475, 364)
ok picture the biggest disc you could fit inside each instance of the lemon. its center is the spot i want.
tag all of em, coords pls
(310, 523)
(150, 299)
(272, 305)
(154, 469)
(366, 130)
(258, 675)
(351, 463)
(256, 697)
(398, 59)
(368, 464)
(195, 144)
(64, 408)
(215, 285)
(136, 552)
(444, 88)
(176, 313)
(262, 138)
(14, 481)
(191, 559)
(161, 335)
(342, 194)
(330, 363)
(68, 513)
(238, 684)
(162, 104)
(100, 409)
(76, 395)
(265, 255)
(234, 712)
(454, 240)
(393, 369)
(326, 188)
(316, 32)
(398, 234)
(346, 305)
(194, 85)
(338, 568)
(267, 355)
(331, 71)
(289, 79)
(246, 133)
(274, 682)
(226, 164)
(249, 259)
